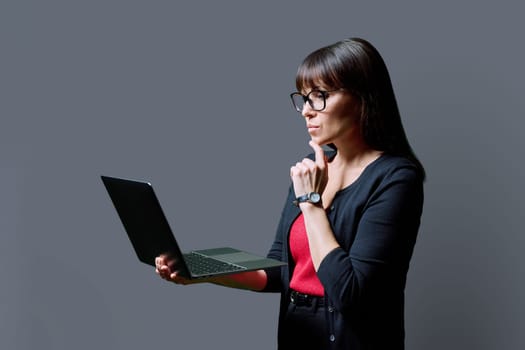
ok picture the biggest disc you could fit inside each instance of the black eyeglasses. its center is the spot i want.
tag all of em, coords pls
(315, 98)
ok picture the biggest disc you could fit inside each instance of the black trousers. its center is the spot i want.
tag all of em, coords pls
(306, 326)
(311, 323)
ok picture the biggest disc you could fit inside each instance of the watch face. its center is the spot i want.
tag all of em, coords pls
(315, 197)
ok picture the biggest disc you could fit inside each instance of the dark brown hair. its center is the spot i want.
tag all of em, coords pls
(356, 66)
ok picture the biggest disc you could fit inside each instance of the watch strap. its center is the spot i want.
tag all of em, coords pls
(301, 199)
(312, 197)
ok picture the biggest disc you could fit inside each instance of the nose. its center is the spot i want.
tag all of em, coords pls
(307, 111)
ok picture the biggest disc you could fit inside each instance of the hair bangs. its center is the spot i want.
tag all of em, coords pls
(317, 69)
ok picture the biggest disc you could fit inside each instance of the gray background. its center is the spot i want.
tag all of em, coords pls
(194, 98)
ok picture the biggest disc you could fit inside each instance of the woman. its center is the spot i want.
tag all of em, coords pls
(350, 221)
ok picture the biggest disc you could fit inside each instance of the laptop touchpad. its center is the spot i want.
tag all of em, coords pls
(236, 257)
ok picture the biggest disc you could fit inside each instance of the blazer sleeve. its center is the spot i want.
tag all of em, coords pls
(275, 275)
(377, 261)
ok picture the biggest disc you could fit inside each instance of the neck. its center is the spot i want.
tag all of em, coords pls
(354, 154)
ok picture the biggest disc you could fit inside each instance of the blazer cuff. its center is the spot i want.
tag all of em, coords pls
(273, 280)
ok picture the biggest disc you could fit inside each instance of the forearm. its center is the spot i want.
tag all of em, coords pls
(252, 280)
(321, 239)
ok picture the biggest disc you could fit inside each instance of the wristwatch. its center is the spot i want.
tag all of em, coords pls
(312, 197)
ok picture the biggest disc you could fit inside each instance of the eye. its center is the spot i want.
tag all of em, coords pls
(316, 95)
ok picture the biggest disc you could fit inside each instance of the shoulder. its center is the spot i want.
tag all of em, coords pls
(394, 167)
(390, 174)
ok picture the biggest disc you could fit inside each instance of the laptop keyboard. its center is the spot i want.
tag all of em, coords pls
(203, 265)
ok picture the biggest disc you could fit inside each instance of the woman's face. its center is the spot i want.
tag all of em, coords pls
(337, 122)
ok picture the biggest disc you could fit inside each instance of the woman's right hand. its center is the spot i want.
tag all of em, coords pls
(166, 268)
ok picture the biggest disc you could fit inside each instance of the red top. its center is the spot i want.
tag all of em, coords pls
(304, 277)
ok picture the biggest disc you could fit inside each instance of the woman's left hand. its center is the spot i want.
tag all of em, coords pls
(310, 175)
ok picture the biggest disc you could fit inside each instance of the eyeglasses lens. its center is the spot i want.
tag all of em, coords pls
(316, 100)
(298, 102)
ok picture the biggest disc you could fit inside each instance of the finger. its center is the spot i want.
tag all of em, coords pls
(299, 170)
(164, 272)
(309, 164)
(174, 277)
(320, 158)
(296, 169)
(160, 260)
(166, 260)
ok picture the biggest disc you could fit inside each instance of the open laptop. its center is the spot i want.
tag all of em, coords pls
(150, 234)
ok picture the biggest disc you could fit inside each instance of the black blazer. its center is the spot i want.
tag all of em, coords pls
(375, 221)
